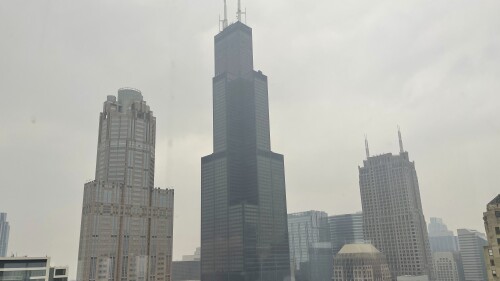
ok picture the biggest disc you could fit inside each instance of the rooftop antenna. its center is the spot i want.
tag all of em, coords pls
(367, 149)
(224, 20)
(401, 149)
(239, 12)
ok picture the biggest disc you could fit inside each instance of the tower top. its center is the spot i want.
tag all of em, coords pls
(401, 149)
(224, 21)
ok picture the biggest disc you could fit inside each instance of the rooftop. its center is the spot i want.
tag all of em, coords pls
(358, 248)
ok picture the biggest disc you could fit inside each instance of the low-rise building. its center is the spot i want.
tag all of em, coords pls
(28, 268)
(360, 262)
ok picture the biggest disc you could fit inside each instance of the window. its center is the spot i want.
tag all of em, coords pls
(494, 272)
(497, 214)
(497, 230)
(490, 251)
(492, 262)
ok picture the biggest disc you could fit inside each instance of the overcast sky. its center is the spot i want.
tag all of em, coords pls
(337, 70)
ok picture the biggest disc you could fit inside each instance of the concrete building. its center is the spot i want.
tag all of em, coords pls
(4, 234)
(28, 268)
(440, 238)
(126, 229)
(413, 278)
(310, 248)
(244, 231)
(492, 251)
(360, 262)
(392, 212)
(345, 229)
(447, 266)
(471, 244)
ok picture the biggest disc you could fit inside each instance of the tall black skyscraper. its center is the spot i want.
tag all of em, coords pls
(244, 233)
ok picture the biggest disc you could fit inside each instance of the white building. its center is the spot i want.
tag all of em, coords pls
(447, 266)
(28, 268)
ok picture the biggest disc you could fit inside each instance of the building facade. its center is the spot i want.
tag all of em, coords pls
(392, 213)
(447, 266)
(244, 232)
(440, 238)
(310, 248)
(126, 228)
(27, 268)
(471, 244)
(188, 269)
(345, 229)
(360, 262)
(4, 234)
(492, 251)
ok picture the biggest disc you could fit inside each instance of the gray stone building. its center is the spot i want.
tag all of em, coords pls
(360, 262)
(345, 229)
(244, 234)
(4, 234)
(126, 228)
(392, 212)
(310, 248)
(492, 226)
(471, 244)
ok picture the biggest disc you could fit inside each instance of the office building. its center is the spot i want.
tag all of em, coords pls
(244, 234)
(492, 251)
(28, 268)
(447, 266)
(360, 262)
(440, 238)
(471, 244)
(392, 212)
(4, 234)
(345, 229)
(188, 268)
(126, 229)
(310, 248)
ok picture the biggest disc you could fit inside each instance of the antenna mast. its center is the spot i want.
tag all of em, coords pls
(367, 149)
(224, 20)
(239, 12)
(401, 149)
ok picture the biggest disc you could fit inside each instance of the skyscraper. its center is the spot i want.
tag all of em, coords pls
(472, 243)
(392, 212)
(360, 262)
(4, 234)
(243, 202)
(126, 229)
(492, 226)
(345, 229)
(310, 247)
(440, 238)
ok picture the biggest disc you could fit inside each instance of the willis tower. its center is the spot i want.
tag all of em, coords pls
(244, 232)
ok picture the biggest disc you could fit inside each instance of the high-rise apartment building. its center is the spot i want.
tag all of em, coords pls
(310, 248)
(360, 262)
(4, 234)
(392, 212)
(126, 229)
(345, 229)
(244, 234)
(492, 251)
(440, 238)
(471, 244)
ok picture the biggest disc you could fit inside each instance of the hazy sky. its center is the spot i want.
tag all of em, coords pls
(337, 70)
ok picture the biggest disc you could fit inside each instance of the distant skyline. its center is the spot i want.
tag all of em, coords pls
(337, 70)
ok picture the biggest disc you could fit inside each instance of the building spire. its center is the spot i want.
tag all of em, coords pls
(367, 148)
(401, 149)
(224, 20)
(239, 12)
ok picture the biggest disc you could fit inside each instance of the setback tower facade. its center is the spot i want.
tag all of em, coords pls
(126, 229)
(244, 232)
(392, 213)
